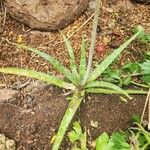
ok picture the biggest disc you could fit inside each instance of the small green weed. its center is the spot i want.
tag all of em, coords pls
(130, 72)
(117, 141)
(136, 138)
(140, 138)
(76, 135)
(143, 36)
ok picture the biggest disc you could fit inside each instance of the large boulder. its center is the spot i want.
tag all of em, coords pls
(46, 14)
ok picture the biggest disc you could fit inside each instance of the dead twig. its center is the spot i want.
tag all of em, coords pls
(81, 26)
(146, 103)
(4, 19)
(76, 30)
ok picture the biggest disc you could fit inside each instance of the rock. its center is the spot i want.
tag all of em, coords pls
(2, 138)
(7, 144)
(10, 144)
(2, 147)
(7, 94)
(37, 86)
(46, 14)
(92, 4)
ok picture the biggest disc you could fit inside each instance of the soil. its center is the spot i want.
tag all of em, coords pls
(32, 118)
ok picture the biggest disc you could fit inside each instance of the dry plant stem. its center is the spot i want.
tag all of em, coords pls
(2, 5)
(81, 26)
(76, 30)
(4, 20)
(93, 41)
(146, 102)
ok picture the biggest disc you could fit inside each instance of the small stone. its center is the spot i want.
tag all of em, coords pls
(35, 87)
(92, 4)
(10, 145)
(94, 124)
(2, 147)
(109, 10)
(101, 48)
(30, 142)
(89, 97)
(115, 43)
(2, 139)
(6, 94)
(111, 23)
(32, 112)
(145, 123)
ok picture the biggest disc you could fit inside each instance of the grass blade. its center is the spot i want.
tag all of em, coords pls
(54, 62)
(38, 75)
(106, 91)
(82, 67)
(101, 67)
(107, 85)
(71, 110)
(73, 66)
(83, 141)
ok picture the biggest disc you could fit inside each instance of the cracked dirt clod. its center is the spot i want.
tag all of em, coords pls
(46, 14)
(7, 94)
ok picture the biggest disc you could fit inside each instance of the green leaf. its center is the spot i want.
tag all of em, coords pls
(71, 110)
(120, 140)
(38, 75)
(136, 118)
(102, 142)
(83, 140)
(76, 148)
(54, 62)
(104, 65)
(73, 66)
(107, 91)
(143, 36)
(146, 79)
(142, 135)
(75, 134)
(107, 85)
(82, 68)
(127, 80)
(145, 67)
(132, 67)
(113, 73)
(148, 53)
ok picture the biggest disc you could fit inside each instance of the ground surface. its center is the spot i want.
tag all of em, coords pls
(32, 119)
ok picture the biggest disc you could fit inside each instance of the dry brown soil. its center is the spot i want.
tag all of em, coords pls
(33, 120)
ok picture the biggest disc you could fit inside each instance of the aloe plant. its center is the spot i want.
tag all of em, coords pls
(79, 79)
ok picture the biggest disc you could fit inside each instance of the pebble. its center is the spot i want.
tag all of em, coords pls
(92, 4)
(6, 144)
